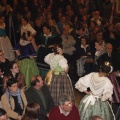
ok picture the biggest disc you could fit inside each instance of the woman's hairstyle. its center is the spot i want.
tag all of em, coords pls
(25, 18)
(2, 112)
(95, 117)
(47, 26)
(11, 81)
(10, 66)
(106, 67)
(57, 48)
(32, 111)
(64, 98)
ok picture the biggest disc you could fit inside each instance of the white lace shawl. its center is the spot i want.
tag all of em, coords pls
(99, 86)
(54, 60)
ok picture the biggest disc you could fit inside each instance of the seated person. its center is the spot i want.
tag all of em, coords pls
(68, 43)
(84, 57)
(66, 110)
(13, 100)
(39, 93)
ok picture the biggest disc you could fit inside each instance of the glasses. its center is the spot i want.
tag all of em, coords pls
(69, 104)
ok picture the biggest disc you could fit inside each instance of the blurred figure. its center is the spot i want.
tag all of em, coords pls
(32, 112)
(3, 114)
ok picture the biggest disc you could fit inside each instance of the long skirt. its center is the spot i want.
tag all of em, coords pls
(7, 49)
(100, 108)
(29, 68)
(60, 84)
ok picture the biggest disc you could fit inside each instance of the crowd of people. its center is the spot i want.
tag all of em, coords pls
(43, 43)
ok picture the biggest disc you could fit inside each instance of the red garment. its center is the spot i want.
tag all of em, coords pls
(56, 115)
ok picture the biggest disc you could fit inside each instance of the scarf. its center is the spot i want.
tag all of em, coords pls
(17, 93)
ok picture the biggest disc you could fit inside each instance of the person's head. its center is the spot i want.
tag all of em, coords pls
(99, 45)
(65, 102)
(83, 41)
(109, 48)
(95, 117)
(24, 20)
(38, 22)
(46, 29)
(80, 30)
(1, 55)
(36, 81)
(110, 27)
(3, 114)
(13, 67)
(12, 85)
(2, 19)
(117, 27)
(65, 30)
(99, 35)
(63, 18)
(106, 68)
(93, 24)
(32, 111)
(58, 48)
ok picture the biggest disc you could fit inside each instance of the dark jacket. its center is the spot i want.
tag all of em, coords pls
(33, 96)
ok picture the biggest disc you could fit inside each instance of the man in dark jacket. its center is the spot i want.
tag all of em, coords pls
(39, 93)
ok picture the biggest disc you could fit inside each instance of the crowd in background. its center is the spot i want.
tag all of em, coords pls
(38, 37)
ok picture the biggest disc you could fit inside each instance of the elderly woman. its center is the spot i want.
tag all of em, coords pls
(13, 100)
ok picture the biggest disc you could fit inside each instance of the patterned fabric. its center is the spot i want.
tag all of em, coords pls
(60, 84)
(100, 108)
(17, 93)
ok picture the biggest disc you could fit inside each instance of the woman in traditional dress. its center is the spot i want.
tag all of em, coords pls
(99, 90)
(27, 27)
(5, 44)
(58, 81)
(26, 54)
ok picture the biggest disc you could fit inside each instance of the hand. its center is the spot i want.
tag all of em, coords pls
(41, 45)
(51, 46)
(47, 114)
(19, 117)
(31, 57)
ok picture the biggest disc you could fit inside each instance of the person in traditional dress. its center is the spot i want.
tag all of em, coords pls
(5, 44)
(99, 90)
(58, 81)
(27, 27)
(26, 54)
